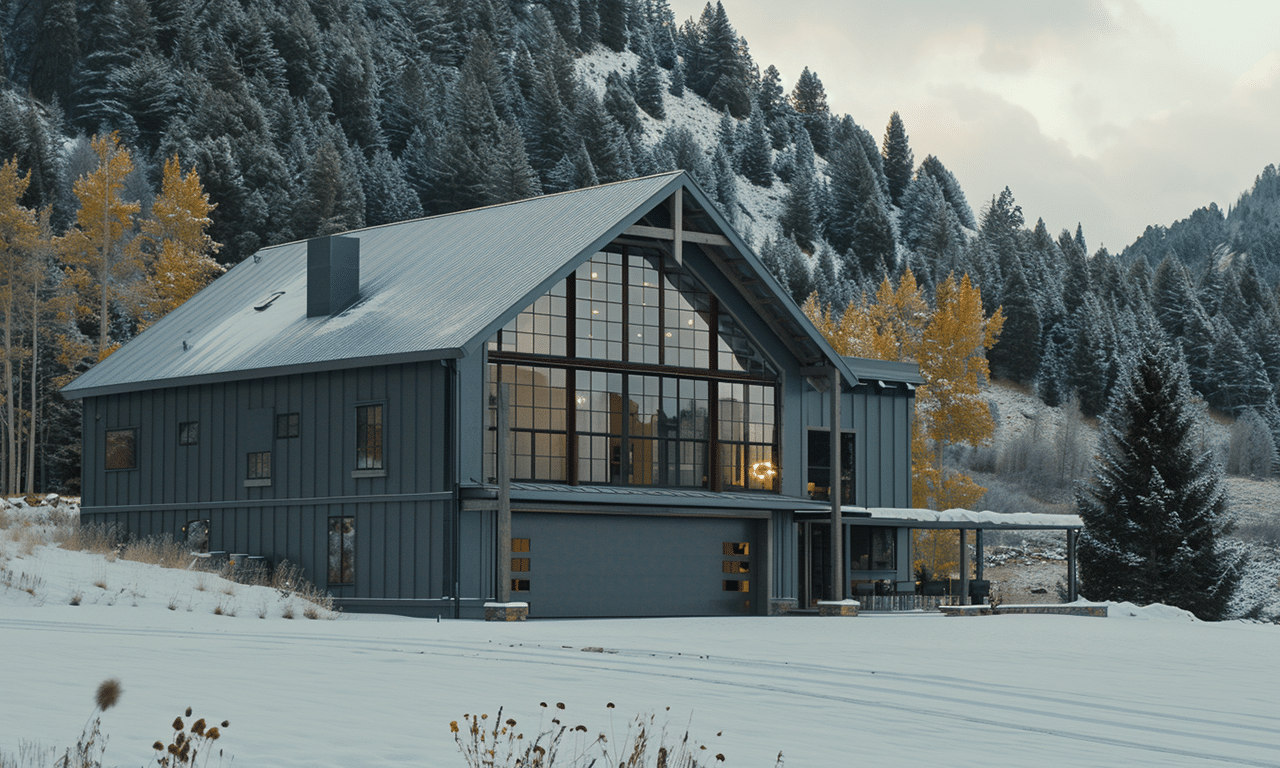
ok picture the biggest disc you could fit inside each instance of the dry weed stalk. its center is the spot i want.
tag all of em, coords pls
(188, 743)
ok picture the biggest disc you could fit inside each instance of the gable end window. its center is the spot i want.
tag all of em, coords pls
(369, 438)
(189, 433)
(122, 449)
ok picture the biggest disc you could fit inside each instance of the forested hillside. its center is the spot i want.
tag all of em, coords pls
(306, 117)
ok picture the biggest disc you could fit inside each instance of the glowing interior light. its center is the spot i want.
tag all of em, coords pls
(691, 322)
(593, 275)
(668, 334)
(582, 399)
(763, 471)
(595, 311)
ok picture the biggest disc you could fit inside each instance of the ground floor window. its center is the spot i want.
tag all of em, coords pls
(342, 550)
(260, 465)
(871, 549)
(122, 449)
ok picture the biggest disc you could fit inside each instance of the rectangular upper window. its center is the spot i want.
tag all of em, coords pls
(286, 426)
(189, 433)
(122, 449)
(369, 437)
(260, 465)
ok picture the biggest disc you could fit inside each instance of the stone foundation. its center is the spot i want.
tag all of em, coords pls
(838, 607)
(506, 611)
(781, 606)
(965, 610)
(1068, 609)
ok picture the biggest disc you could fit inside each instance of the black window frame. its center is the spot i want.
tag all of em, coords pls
(132, 432)
(189, 433)
(364, 466)
(288, 425)
(256, 466)
(345, 568)
(848, 461)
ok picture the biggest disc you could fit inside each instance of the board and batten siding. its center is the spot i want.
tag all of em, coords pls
(403, 518)
(882, 421)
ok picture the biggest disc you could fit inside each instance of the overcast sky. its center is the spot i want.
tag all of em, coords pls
(1112, 114)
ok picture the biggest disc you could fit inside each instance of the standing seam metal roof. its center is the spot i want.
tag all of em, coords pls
(429, 289)
(428, 285)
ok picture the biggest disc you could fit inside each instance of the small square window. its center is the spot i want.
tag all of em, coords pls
(260, 466)
(519, 565)
(519, 585)
(189, 433)
(122, 449)
(286, 426)
(519, 545)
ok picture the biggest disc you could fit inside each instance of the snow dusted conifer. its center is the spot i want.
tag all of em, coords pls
(1156, 509)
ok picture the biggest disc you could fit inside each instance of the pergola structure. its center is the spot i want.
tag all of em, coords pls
(897, 524)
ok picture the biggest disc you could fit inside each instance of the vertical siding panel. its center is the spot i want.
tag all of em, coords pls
(313, 435)
(400, 430)
(90, 463)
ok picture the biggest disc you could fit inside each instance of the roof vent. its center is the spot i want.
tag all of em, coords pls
(333, 274)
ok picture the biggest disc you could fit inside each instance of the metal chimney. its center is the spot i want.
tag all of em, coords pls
(333, 274)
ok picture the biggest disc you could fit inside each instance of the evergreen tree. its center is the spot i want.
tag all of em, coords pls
(509, 176)
(898, 162)
(388, 196)
(726, 184)
(649, 84)
(1156, 510)
(1090, 368)
(619, 102)
(773, 103)
(755, 156)
(613, 24)
(859, 220)
(1017, 355)
(55, 53)
(809, 101)
(724, 75)
(589, 22)
(676, 88)
(605, 140)
(951, 190)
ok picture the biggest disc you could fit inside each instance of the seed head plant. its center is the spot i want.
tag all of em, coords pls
(188, 743)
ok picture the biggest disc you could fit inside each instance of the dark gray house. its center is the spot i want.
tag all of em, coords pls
(334, 403)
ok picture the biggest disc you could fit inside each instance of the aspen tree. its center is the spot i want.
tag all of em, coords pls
(18, 235)
(177, 231)
(94, 250)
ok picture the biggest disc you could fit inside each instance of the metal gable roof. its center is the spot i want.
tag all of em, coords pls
(427, 288)
(431, 288)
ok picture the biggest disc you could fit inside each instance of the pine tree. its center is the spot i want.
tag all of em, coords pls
(649, 84)
(859, 222)
(621, 103)
(898, 161)
(724, 76)
(388, 195)
(613, 24)
(755, 156)
(1156, 510)
(676, 87)
(605, 140)
(1017, 355)
(951, 190)
(809, 101)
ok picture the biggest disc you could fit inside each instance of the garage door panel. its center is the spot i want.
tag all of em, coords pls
(614, 565)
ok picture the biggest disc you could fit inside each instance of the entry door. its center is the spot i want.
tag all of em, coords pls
(815, 563)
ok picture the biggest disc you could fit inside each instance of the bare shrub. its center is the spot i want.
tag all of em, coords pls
(311, 612)
(159, 550)
(98, 538)
(646, 741)
(1251, 450)
(287, 611)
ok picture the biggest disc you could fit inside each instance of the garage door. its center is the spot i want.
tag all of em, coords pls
(571, 565)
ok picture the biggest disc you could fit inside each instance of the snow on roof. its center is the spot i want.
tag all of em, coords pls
(961, 518)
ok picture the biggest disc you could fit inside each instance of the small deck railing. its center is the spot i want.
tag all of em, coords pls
(906, 602)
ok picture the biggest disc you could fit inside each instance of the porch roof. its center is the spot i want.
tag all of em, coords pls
(951, 519)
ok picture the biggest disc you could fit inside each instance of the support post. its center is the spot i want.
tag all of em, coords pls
(503, 593)
(964, 567)
(977, 554)
(677, 225)
(838, 584)
(1072, 590)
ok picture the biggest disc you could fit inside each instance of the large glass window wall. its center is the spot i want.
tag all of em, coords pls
(629, 388)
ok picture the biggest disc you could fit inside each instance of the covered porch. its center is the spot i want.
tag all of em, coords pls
(873, 559)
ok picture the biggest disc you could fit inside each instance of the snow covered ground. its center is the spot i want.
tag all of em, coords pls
(1145, 687)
